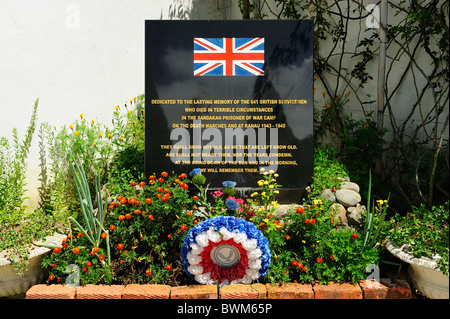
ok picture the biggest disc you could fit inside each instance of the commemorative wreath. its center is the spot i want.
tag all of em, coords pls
(225, 250)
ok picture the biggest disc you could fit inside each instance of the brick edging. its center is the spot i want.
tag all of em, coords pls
(387, 288)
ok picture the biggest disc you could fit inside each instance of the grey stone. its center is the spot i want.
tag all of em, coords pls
(354, 215)
(340, 216)
(350, 185)
(328, 195)
(347, 197)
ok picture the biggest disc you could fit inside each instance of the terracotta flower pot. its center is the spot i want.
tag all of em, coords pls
(424, 273)
(12, 284)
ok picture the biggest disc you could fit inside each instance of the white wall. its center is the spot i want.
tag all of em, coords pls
(77, 56)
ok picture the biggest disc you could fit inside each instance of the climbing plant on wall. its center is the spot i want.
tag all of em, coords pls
(414, 143)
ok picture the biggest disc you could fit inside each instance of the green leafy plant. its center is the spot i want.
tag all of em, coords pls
(425, 231)
(20, 226)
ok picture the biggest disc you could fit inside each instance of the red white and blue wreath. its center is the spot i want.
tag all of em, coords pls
(225, 250)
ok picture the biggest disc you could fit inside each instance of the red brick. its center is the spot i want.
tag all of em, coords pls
(373, 289)
(146, 292)
(337, 291)
(241, 291)
(50, 292)
(194, 292)
(289, 291)
(398, 288)
(99, 292)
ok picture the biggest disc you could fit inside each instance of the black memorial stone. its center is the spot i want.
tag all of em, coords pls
(247, 105)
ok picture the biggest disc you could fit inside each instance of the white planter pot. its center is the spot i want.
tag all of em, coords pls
(424, 273)
(12, 284)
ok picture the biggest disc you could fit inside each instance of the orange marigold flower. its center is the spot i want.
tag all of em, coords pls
(161, 180)
(89, 264)
(295, 263)
(183, 175)
(96, 249)
(76, 250)
(195, 198)
(142, 184)
(150, 217)
(127, 216)
(121, 217)
(51, 277)
(101, 257)
(159, 189)
(152, 177)
(132, 183)
(300, 210)
(188, 214)
(164, 174)
(120, 246)
(319, 260)
(331, 257)
(169, 267)
(169, 236)
(56, 250)
(148, 200)
(148, 272)
(354, 236)
(137, 211)
(112, 227)
(183, 227)
(104, 235)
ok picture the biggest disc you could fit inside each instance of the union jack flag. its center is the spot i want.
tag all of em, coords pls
(228, 56)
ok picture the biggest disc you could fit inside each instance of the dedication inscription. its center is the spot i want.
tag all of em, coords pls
(233, 98)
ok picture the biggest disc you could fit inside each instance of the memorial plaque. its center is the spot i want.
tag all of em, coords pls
(233, 98)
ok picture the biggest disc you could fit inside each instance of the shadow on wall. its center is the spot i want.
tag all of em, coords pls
(198, 10)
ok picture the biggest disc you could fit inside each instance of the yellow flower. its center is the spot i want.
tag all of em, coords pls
(260, 183)
(81, 115)
(254, 194)
(131, 101)
(317, 202)
(94, 144)
(129, 112)
(276, 192)
(109, 135)
(380, 202)
(270, 186)
(92, 122)
(263, 193)
(76, 133)
(117, 112)
(262, 169)
(116, 107)
(134, 99)
(265, 220)
(303, 241)
(260, 209)
(266, 182)
(276, 175)
(100, 134)
(271, 171)
(122, 138)
(265, 173)
(71, 126)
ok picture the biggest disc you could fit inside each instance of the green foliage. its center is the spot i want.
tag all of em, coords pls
(328, 171)
(19, 225)
(426, 231)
